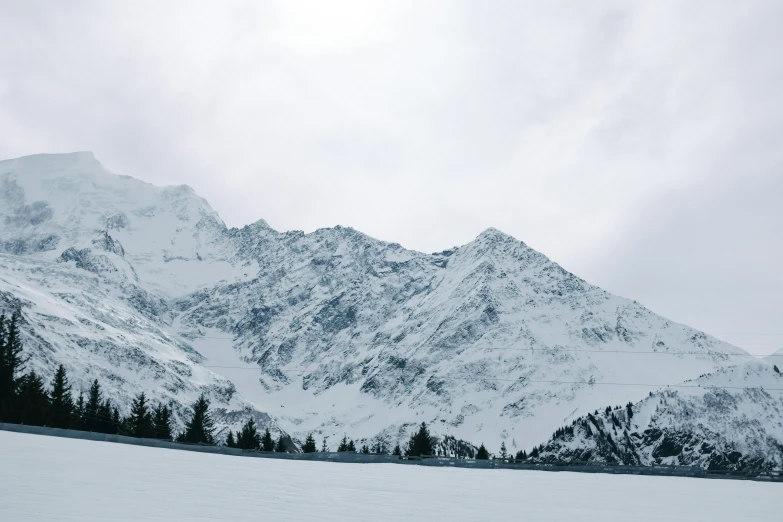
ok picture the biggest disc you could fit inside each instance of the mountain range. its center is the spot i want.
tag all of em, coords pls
(331, 332)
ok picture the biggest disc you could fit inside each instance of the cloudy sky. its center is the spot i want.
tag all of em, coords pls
(639, 144)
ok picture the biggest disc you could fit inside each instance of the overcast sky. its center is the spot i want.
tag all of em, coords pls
(638, 144)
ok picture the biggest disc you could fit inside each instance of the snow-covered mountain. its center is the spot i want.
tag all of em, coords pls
(729, 419)
(332, 332)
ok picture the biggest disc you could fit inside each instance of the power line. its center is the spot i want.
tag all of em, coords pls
(549, 349)
(553, 381)
(706, 387)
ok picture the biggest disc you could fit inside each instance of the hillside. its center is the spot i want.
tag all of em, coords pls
(730, 419)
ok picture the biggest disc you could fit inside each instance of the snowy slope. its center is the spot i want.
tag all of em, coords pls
(333, 331)
(171, 236)
(732, 418)
(73, 317)
(47, 478)
(357, 335)
(775, 358)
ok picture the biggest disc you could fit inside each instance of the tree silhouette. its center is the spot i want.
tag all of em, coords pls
(267, 443)
(309, 445)
(139, 423)
(249, 438)
(161, 418)
(200, 427)
(78, 413)
(421, 442)
(61, 400)
(11, 364)
(33, 404)
(280, 445)
(343, 447)
(92, 407)
(482, 453)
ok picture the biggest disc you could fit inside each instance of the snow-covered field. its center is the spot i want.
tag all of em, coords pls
(48, 478)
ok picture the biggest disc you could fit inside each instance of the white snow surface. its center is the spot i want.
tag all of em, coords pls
(330, 332)
(48, 478)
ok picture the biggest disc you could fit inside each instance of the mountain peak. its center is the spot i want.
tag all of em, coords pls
(494, 235)
(45, 164)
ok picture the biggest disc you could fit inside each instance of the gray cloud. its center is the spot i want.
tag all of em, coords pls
(636, 143)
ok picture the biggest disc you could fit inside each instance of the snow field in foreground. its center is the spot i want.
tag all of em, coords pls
(49, 478)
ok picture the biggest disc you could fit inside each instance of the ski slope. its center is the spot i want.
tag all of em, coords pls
(48, 478)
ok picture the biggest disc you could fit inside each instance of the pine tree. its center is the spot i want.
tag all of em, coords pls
(309, 445)
(161, 419)
(280, 446)
(61, 400)
(421, 442)
(324, 447)
(114, 422)
(365, 449)
(482, 453)
(343, 447)
(230, 440)
(503, 452)
(11, 365)
(140, 420)
(77, 421)
(33, 403)
(397, 451)
(534, 452)
(629, 409)
(352, 446)
(249, 438)
(105, 422)
(267, 443)
(91, 421)
(200, 428)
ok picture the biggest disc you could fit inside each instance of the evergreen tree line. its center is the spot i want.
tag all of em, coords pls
(25, 399)
(248, 438)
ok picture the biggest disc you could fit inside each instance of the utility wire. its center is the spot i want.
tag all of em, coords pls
(557, 350)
